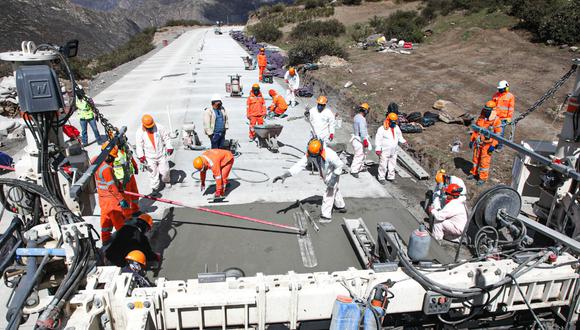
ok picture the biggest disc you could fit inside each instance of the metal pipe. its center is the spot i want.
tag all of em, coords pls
(566, 170)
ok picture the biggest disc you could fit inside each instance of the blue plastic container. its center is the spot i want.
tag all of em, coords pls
(346, 315)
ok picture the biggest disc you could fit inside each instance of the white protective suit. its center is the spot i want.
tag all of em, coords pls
(155, 155)
(387, 141)
(439, 193)
(360, 133)
(293, 85)
(330, 169)
(450, 220)
(323, 123)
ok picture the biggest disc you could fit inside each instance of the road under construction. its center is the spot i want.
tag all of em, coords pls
(292, 277)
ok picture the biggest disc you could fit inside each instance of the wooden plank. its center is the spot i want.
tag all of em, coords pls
(407, 162)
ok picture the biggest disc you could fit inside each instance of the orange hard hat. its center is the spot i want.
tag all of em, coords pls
(137, 256)
(272, 92)
(365, 106)
(114, 152)
(393, 116)
(322, 100)
(453, 190)
(198, 163)
(262, 49)
(147, 218)
(314, 147)
(292, 71)
(490, 104)
(147, 121)
(440, 176)
(256, 86)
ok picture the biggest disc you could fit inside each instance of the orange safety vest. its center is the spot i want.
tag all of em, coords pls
(505, 104)
(493, 124)
(262, 60)
(256, 105)
(280, 105)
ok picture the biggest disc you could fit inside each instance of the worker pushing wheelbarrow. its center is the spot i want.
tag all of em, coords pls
(268, 135)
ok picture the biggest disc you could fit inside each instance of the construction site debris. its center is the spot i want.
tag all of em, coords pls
(332, 61)
(348, 84)
(573, 49)
(449, 112)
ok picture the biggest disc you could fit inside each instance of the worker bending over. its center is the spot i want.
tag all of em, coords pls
(329, 167)
(278, 106)
(136, 264)
(387, 141)
(506, 103)
(125, 170)
(256, 109)
(220, 162)
(293, 80)
(132, 236)
(153, 145)
(450, 220)
(262, 63)
(442, 181)
(360, 139)
(111, 201)
(483, 146)
(322, 120)
(216, 122)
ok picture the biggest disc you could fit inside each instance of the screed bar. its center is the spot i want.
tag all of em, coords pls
(225, 214)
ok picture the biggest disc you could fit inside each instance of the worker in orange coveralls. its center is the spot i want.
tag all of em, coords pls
(256, 109)
(482, 146)
(262, 63)
(278, 106)
(220, 162)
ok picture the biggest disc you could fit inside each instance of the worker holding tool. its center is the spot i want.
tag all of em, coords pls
(216, 122)
(111, 201)
(278, 106)
(153, 145)
(387, 141)
(330, 168)
(132, 236)
(256, 109)
(220, 162)
(293, 80)
(505, 106)
(442, 181)
(86, 116)
(483, 147)
(125, 170)
(360, 139)
(262, 63)
(322, 120)
(450, 220)
(135, 264)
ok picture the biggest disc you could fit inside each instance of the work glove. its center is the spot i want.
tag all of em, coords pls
(491, 150)
(379, 152)
(170, 152)
(124, 204)
(282, 177)
(471, 145)
(365, 143)
(331, 137)
(142, 159)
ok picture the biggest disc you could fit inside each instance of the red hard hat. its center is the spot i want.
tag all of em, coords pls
(453, 190)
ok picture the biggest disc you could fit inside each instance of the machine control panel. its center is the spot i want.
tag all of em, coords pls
(436, 303)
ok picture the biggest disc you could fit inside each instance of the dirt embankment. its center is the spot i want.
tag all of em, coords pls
(462, 66)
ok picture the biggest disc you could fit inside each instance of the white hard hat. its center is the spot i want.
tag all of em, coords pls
(503, 84)
(216, 97)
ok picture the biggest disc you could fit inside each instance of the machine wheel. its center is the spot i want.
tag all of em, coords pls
(491, 201)
(234, 272)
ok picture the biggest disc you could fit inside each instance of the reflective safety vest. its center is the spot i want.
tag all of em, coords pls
(84, 109)
(119, 167)
(104, 183)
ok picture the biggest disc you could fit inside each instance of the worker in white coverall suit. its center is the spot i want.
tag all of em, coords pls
(451, 219)
(387, 140)
(293, 80)
(330, 168)
(153, 145)
(322, 120)
(360, 139)
(443, 180)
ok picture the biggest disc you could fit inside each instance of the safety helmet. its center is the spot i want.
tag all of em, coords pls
(198, 163)
(216, 97)
(490, 104)
(453, 190)
(256, 86)
(365, 106)
(315, 147)
(503, 84)
(147, 121)
(322, 100)
(262, 50)
(440, 176)
(147, 218)
(272, 92)
(292, 71)
(114, 152)
(393, 116)
(137, 256)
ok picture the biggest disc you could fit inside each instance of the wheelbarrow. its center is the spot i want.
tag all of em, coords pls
(268, 134)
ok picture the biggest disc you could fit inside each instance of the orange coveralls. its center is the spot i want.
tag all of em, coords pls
(262, 63)
(505, 105)
(131, 186)
(255, 112)
(220, 162)
(481, 156)
(112, 214)
(279, 105)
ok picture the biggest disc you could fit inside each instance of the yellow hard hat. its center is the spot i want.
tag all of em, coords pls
(365, 106)
(256, 86)
(314, 147)
(137, 256)
(322, 100)
(440, 176)
(147, 121)
(198, 163)
(393, 116)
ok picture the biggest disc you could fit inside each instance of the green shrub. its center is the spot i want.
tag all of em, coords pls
(184, 22)
(351, 2)
(265, 31)
(550, 19)
(309, 50)
(406, 25)
(318, 28)
(278, 8)
(359, 32)
(311, 4)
